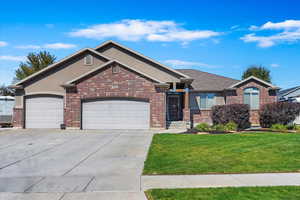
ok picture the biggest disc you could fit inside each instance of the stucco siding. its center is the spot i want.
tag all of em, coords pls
(50, 82)
(139, 63)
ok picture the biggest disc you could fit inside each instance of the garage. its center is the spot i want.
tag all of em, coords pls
(44, 111)
(115, 114)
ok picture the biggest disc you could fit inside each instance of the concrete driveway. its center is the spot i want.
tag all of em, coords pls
(55, 161)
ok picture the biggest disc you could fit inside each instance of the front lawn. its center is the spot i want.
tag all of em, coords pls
(223, 153)
(241, 193)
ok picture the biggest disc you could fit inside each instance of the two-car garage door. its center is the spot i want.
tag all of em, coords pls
(115, 114)
(48, 111)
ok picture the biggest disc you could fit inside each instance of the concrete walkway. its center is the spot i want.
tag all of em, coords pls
(226, 180)
(75, 196)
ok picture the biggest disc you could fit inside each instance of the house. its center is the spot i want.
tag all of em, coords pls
(114, 87)
(6, 110)
(291, 94)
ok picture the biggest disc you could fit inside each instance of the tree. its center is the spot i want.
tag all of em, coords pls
(259, 72)
(35, 62)
(5, 91)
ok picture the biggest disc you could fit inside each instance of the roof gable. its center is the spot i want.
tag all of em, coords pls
(256, 79)
(162, 66)
(107, 64)
(52, 66)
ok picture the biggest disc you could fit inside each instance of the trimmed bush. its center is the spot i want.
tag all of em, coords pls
(220, 128)
(278, 113)
(237, 113)
(279, 127)
(203, 127)
(231, 126)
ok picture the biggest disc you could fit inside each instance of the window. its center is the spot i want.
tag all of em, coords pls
(202, 101)
(115, 69)
(88, 60)
(251, 97)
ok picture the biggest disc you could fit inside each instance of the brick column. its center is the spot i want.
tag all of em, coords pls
(17, 119)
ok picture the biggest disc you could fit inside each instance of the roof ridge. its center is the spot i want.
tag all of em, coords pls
(210, 73)
(141, 55)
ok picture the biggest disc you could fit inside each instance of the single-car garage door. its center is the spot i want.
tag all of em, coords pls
(44, 112)
(115, 114)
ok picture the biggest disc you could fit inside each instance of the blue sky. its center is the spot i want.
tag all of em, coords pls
(222, 37)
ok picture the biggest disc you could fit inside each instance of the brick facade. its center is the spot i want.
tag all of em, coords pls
(18, 117)
(236, 96)
(201, 116)
(125, 83)
(265, 96)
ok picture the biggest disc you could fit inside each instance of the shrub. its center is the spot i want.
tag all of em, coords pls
(278, 113)
(237, 113)
(219, 128)
(204, 127)
(279, 127)
(231, 126)
(291, 126)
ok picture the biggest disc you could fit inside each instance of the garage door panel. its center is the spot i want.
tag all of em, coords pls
(44, 112)
(116, 114)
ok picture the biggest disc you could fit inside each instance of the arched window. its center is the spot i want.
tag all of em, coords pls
(251, 97)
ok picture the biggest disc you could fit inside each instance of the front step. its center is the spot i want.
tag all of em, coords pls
(176, 125)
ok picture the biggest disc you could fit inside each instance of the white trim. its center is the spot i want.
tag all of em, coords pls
(141, 55)
(255, 78)
(45, 93)
(59, 62)
(107, 63)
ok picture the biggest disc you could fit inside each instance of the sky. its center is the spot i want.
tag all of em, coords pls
(217, 36)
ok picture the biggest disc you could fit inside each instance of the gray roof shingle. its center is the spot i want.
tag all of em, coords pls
(204, 81)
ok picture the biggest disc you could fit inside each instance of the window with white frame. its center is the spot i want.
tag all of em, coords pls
(251, 97)
(202, 101)
(88, 60)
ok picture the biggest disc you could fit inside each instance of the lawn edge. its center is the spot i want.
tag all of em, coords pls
(226, 173)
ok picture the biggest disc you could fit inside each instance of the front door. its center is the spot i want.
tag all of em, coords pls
(174, 107)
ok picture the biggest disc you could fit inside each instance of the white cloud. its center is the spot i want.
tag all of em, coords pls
(135, 30)
(28, 47)
(290, 33)
(187, 64)
(49, 25)
(287, 24)
(3, 44)
(48, 46)
(274, 65)
(13, 58)
(234, 27)
(59, 46)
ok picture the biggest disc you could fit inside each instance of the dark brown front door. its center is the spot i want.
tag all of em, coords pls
(174, 107)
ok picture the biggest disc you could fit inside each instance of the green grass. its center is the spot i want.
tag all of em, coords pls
(226, 153)
(241, 193)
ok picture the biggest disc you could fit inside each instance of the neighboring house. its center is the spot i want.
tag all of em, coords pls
(114, 87)
(6, 110)
(291, 94)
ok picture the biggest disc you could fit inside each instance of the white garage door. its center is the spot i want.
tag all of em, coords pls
(115, 114)
(44, 112)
